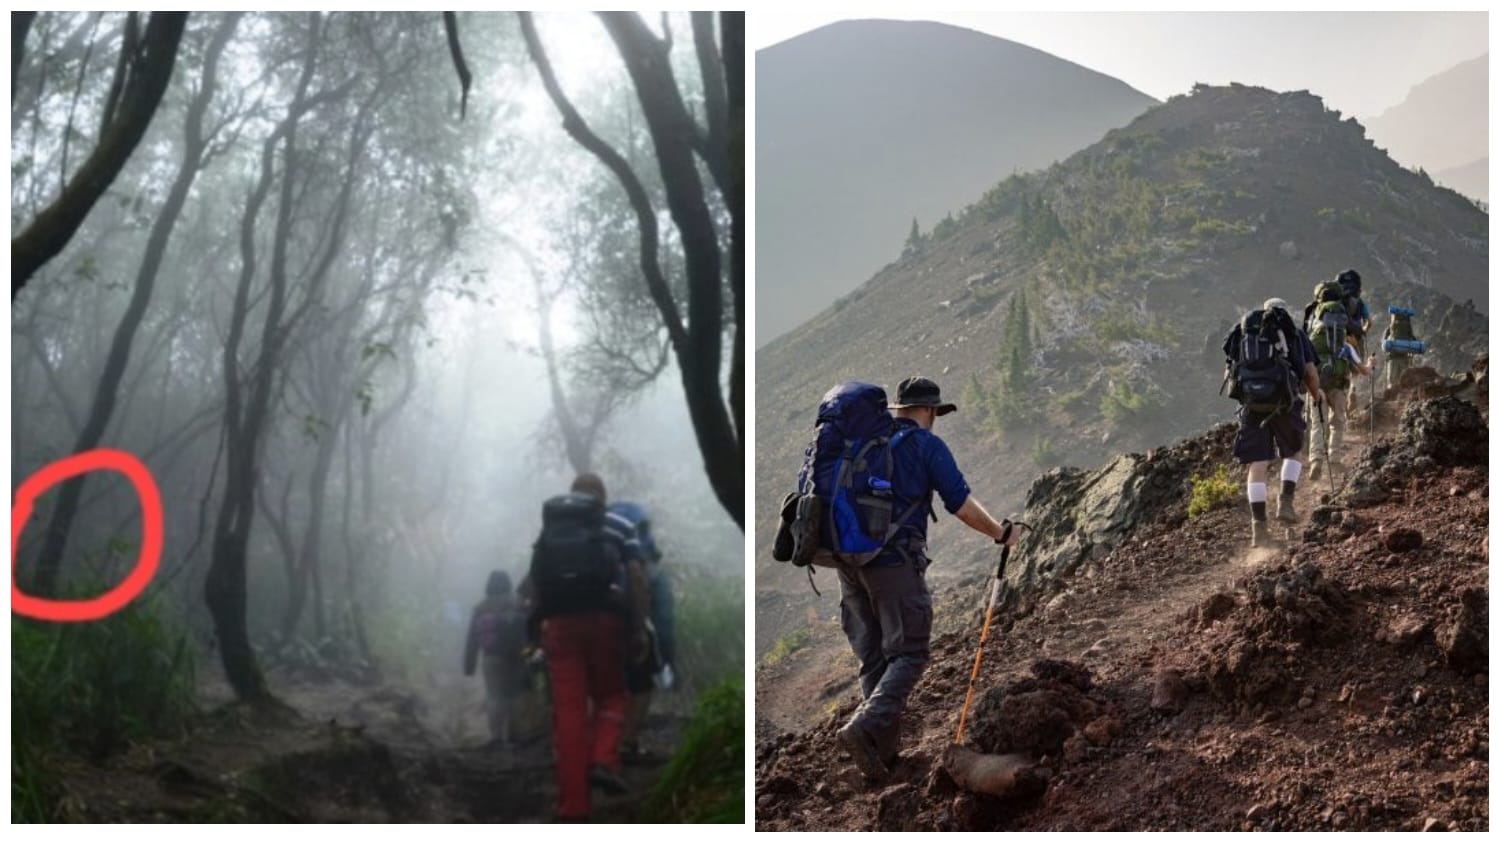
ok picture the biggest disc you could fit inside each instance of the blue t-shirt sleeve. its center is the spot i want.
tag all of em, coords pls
(942, 471)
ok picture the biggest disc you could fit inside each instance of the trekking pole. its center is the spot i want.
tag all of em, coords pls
(1005, 541)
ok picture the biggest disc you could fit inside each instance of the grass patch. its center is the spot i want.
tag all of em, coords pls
(1212, 492)
(90, 689)
(787, 644)
(705, 780)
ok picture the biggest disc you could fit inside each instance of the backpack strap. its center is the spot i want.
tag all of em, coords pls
(890, 463)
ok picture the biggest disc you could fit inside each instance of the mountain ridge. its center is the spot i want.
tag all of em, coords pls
(1443, 122)
(1137, 251)
(863, 125)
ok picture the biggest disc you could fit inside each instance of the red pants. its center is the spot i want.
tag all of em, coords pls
(586, 663)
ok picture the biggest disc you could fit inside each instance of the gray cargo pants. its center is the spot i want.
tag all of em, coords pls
(886, 613)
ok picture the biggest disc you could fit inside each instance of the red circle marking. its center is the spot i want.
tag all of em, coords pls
(151, 535)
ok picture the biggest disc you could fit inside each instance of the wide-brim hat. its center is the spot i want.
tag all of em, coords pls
(921, 392)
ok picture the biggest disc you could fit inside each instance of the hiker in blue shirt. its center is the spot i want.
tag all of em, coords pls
(885, 607)
(642, 676)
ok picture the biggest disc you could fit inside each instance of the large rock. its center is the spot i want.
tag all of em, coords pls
(1079, 515)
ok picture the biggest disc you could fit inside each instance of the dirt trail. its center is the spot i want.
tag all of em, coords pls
(1317, 685)
(342, 752)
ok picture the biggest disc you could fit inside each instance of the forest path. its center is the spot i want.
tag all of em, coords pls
(341, 752)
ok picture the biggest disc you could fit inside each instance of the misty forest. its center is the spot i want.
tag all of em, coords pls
(361, 290)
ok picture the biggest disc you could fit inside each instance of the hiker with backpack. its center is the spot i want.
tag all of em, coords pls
(1331, 327)
(497, 633)
(1270, 362)
(863, 500)
(643, 676)
(589, 601)
(1400, 344)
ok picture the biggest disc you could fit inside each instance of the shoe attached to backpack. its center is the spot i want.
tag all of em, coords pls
(575, 566)
(844, 510)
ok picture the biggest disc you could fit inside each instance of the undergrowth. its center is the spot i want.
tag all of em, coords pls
(1212, 492)
(787, 644)
(705, 780)
(90, 689)
(709, 612)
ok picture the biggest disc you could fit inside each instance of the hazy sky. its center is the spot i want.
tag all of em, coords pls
(1361, 63)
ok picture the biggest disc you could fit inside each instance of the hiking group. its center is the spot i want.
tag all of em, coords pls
(1273, 366)
(864, 495)
(595, 609)
(862, 508)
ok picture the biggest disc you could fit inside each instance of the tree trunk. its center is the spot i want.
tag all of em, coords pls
(310, 554)
(647, 60)
(578, 445)
(225, 588)
(49, 564)
(698, 344)
(732, 27)
(20, 25)
(54, 226)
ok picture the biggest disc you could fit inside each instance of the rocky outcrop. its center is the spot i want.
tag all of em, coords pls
(1078, 516)
(1441, 432)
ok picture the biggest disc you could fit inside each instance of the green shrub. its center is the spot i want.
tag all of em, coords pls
(91, 689)
(1044, 453)
(1123, 404)
(787, 644)
(705, 780)
(1212, 492)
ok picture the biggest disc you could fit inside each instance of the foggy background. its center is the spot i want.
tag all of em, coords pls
(412, 375)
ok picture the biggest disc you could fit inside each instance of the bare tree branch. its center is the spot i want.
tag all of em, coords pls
(54, 226)
(129, 44)
(450, 25)
(574, 124)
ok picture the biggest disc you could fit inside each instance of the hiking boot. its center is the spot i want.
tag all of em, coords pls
(888, 745)
(1285, 511)
(608, 782)
(862, 751)
(1260, 534)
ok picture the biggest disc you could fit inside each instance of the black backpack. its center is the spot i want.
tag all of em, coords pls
(1263, 378)
(575, 564)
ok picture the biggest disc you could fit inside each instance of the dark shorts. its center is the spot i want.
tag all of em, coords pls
(1280, 437)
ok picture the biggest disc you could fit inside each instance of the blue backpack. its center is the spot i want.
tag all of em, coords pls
(640, 519)
(844, 491)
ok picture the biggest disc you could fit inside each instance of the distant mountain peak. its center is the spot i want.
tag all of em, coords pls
(862, 125)
(1444, 121)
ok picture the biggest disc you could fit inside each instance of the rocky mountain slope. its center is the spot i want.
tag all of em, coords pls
(1151, 673)
(864, 124)
(1076, 313)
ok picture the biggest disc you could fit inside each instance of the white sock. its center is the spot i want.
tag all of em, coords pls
(1291, 470)
(1256, 491)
